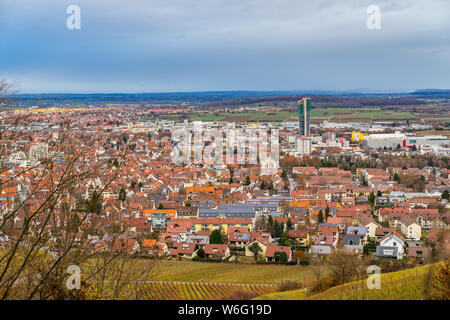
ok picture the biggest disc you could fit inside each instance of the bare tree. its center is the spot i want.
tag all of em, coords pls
(45, 226)
(345, 267)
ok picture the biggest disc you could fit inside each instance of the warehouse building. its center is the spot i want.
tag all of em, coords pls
(392, 140)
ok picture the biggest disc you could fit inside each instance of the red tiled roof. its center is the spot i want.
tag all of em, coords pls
(216, 249)
(272, 250)
(297, 234)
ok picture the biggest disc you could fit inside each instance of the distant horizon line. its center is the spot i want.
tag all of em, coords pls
(358, 91)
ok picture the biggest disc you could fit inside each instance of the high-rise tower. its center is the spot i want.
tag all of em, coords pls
(304, 116)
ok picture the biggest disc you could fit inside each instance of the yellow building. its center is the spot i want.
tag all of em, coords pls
(358, 136)
(299, 237)
(220, 223)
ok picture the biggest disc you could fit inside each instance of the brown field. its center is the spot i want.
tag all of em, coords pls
(434, 132)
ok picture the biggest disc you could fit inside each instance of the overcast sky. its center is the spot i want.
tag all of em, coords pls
(202, 45)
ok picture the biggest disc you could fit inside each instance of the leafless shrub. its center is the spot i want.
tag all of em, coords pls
(241, 295)
(346, 267)
(287, 285)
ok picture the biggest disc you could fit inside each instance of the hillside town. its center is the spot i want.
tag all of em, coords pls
(206, 159)
(380, 191)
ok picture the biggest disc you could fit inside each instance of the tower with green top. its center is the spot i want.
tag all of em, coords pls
(304, 116)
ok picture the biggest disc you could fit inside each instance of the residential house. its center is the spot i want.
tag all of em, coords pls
(391, 246)
(324, 244)
(217, 251)
(220, 223)
(358, 231)
(273, 253)
(342, 222)
(317, 250)
(154, 247)
(352, 243)
(159, 217)
(381, 232)
(185, 250)
(200, 240)
(298, 237)
(187, 212)
(238, 239)
(329, 228)
(264, 237)
(129, 246)
(370, 225)
(261, 244)
(410, 228)
(421, 253)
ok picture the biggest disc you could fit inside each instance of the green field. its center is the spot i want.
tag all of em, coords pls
(331, 114)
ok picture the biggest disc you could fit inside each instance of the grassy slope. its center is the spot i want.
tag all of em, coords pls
(401, 285)
(286, 295)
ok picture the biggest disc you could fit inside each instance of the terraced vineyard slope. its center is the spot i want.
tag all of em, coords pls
(230, 272)
(410, 284)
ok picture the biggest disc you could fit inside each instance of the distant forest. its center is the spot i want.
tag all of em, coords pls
(208, 99)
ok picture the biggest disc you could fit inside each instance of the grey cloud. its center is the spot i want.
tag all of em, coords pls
(172, 45)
